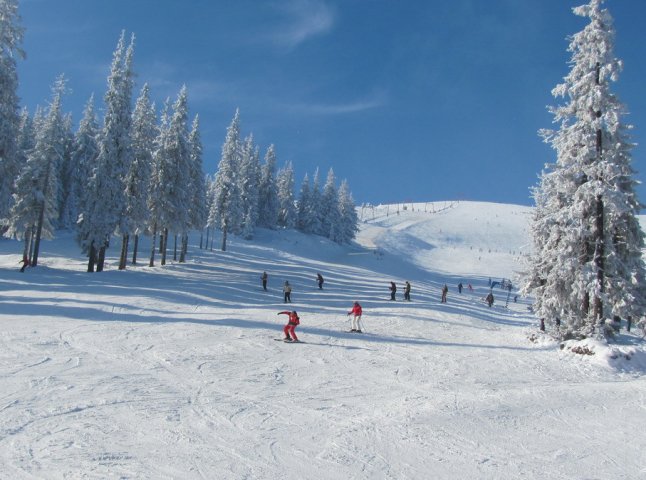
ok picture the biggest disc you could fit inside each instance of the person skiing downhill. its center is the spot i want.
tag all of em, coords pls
(407, 291)
(263, 277)
(393, 290)
(356, 320)
(445, 290)
(292, 323)
(319, 279)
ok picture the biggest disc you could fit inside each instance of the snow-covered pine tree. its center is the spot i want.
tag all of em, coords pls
(249, 183)
(348, 219)
(209, 184)
(160, 180)
(198, 207)
(226, 212)
(11, 35)
(84, 156)
(287, 206)
(67, 201)
(587, 264)
(144, 132)
(330, 207)
(316, 213)
(303, 210)
(178, 154)
(268, 191)
(36, 198)
(25, 142)
(115, 156)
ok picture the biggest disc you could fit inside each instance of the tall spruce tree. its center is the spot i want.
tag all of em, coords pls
(249, 183)
(11, 36)
(287, 207)
(84, 157)
(38, 185)
(144, 132)
(330, 216)
(226, 212)
(268, 191)
(587, 263)
(197, 188)
(115, 155)
(348, 219)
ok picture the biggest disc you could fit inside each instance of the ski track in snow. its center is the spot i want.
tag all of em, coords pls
(171, 372)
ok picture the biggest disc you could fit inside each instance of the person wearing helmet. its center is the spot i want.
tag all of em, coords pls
(356, 319)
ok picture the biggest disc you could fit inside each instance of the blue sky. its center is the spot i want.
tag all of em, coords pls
(419, 100)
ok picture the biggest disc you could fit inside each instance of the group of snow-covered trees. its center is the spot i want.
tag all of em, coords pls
(136, 174)
(245, 194)
(587, 264)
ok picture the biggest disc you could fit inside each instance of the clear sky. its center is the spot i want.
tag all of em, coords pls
(410, 100)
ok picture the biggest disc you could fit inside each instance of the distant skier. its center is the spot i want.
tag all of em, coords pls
(469, 287)
(319, 279)
(407, 291)
(445, 290)
(287, 290)
(264, 277)
(460, 287)
(292, 323)
(489, 299)
(393, 290)
(356, 319)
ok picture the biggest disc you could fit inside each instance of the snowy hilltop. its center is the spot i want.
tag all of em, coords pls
(173, 372)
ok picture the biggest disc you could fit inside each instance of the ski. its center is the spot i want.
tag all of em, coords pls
(288, 341)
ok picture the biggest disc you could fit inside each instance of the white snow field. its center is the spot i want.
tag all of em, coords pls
(173, 372)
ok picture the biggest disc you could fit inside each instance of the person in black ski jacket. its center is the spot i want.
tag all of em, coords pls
(264, 280)
(407, 291)
(319, 279)
(393, 290)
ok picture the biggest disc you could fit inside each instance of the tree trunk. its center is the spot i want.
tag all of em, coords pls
(599, 261)
(101, 260)
(134, 250)
(123, 258)
(175, 249)
(208, 231)
(25, 252)
(183, 248)
(164, 246)
(152, 249)
(224, 238)
(39, 231)
(91, 259)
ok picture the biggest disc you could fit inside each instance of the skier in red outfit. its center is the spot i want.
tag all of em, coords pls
(290, 334)
(356, 320)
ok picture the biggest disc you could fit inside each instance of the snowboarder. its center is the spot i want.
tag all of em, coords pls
(393, 290)
(407, 291)
(445, 290)
(264, 281)
(460, 287)
(489, 299)
(356, 320)
(319, 279)
(292, 323)
(287, 290)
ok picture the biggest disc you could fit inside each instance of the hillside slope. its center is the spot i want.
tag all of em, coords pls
(172, 372)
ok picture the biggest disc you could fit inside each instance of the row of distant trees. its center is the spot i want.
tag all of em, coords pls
(137, 174)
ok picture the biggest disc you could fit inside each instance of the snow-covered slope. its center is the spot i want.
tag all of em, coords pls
(172, 372)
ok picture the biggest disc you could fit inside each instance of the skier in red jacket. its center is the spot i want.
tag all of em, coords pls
(356, 320)
(290, 334)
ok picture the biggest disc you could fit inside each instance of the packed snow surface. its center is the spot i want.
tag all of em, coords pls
(173, 373)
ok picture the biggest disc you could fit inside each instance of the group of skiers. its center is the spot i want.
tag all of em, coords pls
(356, 310)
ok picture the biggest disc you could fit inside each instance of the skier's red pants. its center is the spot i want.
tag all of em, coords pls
(289, 331)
